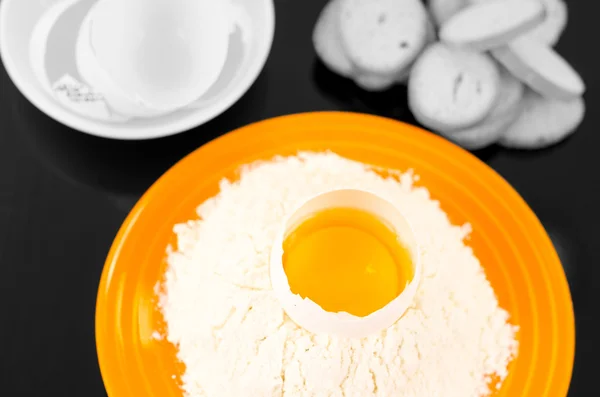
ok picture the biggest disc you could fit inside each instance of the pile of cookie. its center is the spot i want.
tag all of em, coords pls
(478, 72)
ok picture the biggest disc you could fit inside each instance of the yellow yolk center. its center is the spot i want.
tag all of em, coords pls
(346, 260)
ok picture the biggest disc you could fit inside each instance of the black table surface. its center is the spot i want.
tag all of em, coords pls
(64, 194)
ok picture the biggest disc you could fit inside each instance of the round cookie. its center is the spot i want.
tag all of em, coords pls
(452, 88)
(327, 43)
(383, 36)
(375, 82)
(483, 134)
(505, 111)
(551, 29)
(509, 95)
(541, 68)
(543, 122)
(485, 25)
(554, 24)
(442, 10)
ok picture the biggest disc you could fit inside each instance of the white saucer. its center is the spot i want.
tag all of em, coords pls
(23, 52)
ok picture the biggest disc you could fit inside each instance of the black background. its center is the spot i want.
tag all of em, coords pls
(63, 196)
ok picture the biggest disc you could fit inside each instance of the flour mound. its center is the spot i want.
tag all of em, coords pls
(235, 339)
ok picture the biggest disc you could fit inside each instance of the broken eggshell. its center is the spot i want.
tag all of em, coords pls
(95, 76)
(163, 53)
(308, 314)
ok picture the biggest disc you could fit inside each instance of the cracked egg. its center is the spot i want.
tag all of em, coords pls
(346, 262)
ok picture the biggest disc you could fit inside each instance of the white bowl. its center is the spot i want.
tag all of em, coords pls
(18, 18)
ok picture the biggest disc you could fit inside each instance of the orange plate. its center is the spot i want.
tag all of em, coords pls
(512, 245)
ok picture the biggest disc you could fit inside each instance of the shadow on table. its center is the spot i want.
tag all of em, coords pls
(123, 170)
(391, 103)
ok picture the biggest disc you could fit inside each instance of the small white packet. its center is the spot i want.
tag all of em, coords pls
(83, 100)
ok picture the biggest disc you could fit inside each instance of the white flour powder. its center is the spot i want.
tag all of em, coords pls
(235, 339)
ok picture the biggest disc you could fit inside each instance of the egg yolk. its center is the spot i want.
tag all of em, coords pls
(346, 260)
